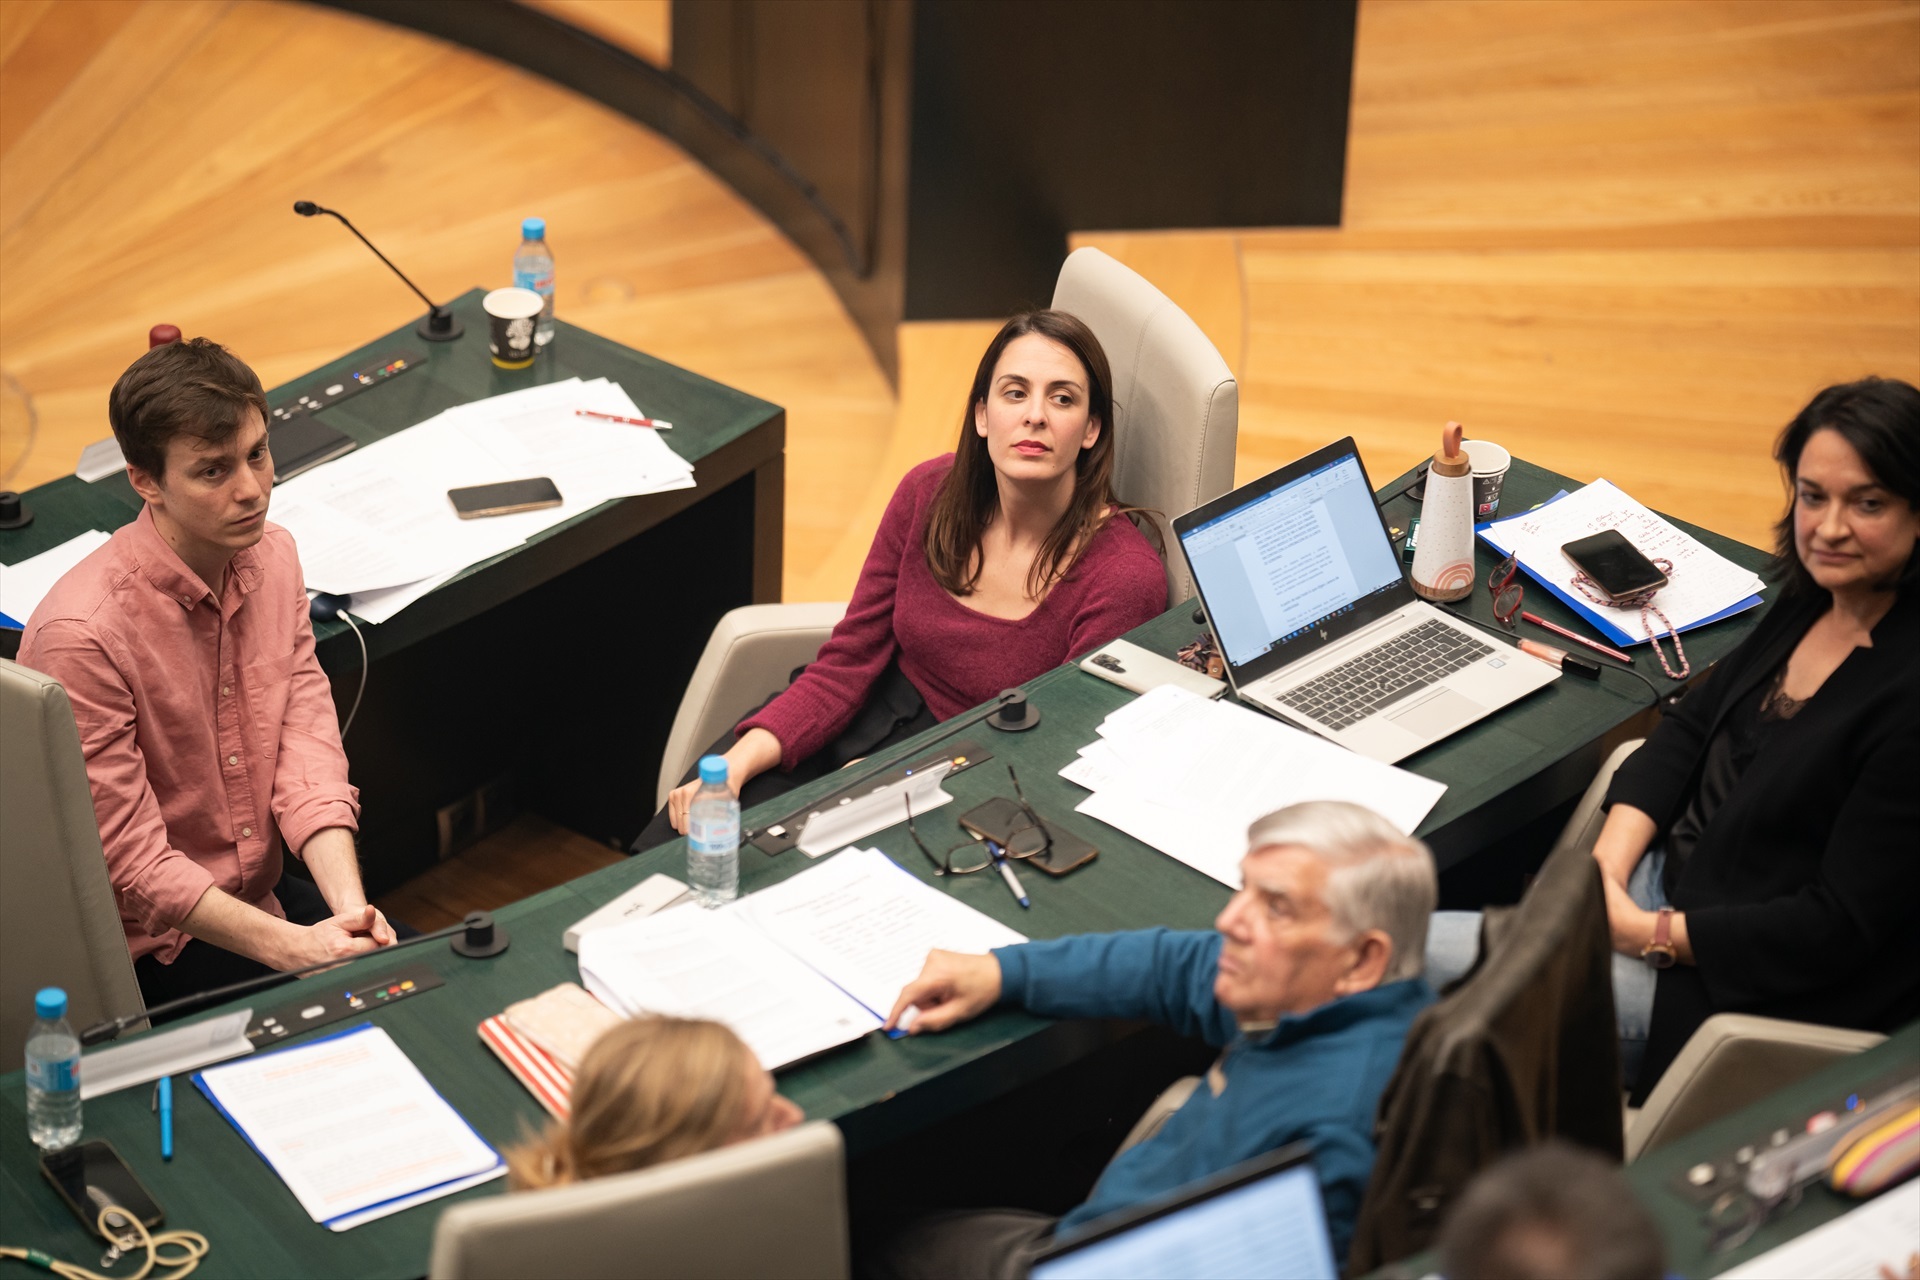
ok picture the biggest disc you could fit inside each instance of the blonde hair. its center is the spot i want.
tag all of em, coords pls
(649, 1090)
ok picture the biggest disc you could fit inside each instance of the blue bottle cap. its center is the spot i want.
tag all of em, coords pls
(534, 229)
(49, 1004)
(712, 769)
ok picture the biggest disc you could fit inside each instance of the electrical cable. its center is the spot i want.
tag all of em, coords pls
(362, 690)
(192, 1245)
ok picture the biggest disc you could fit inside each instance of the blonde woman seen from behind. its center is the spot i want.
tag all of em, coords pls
(652, 1090)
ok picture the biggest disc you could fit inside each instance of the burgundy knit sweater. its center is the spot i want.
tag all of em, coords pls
(956, 657)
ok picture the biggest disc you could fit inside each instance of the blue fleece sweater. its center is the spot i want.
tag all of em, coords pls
(1315, 1077)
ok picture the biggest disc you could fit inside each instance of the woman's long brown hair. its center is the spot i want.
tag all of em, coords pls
(969, 497)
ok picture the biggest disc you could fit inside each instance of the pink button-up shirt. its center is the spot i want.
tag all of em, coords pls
(207, 724)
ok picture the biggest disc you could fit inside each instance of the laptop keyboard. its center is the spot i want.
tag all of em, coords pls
(1384, 674)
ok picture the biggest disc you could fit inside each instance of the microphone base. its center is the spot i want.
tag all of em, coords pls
(453, 330)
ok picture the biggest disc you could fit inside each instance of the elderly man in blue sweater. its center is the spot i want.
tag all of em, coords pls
(1308, 983)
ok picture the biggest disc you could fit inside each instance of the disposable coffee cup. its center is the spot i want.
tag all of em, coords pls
(512, 315)
(1490, 463)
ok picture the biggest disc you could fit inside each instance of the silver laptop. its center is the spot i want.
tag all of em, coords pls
(1263, 1218)
(1318, 625)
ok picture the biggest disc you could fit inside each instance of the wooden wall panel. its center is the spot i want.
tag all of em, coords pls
(1628, 239)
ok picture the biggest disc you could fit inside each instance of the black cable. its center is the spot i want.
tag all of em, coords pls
(107, 1030)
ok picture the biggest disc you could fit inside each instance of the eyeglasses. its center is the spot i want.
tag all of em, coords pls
(1028, 839)
(1507, 591)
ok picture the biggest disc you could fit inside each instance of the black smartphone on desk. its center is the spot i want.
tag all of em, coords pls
(91, 1176)
(504, 498)
(999, 819)
(1615, 565)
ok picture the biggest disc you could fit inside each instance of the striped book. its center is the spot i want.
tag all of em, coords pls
(545, 1077)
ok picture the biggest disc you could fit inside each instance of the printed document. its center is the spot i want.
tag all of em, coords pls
(865, 924)
(798, 968)
(351, 1126)
(1188, 775)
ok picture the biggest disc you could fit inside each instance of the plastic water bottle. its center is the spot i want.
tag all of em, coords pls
(53, 1073)
(713, 837)
(533, 269)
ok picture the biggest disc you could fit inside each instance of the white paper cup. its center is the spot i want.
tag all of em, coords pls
(1490, 463)
(512, 315)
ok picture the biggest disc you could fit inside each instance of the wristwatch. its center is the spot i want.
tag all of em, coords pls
(1660, 953)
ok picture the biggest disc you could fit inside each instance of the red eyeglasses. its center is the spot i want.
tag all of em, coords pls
(1504, 585)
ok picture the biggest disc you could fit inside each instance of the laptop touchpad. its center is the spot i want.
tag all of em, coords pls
(1439, 715)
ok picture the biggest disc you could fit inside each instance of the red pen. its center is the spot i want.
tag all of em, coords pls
(1559, 630)
(655, 423)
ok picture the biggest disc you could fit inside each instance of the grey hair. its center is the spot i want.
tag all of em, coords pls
(1377, 878)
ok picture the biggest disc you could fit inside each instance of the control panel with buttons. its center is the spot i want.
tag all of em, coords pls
(290, 405)
(329, 1002)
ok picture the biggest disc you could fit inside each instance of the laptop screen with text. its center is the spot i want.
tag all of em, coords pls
(1290, 559)
(1270, 1226)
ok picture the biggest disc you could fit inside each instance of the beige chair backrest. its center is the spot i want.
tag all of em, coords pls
(1176, 403)
(773, 1207)
(747, 660)
(59, 926)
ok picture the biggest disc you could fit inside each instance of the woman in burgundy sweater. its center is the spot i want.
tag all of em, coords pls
(992, 565)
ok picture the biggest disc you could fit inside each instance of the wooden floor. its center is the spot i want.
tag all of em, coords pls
(150, 154)
(522, 858)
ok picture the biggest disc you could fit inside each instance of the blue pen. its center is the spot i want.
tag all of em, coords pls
(166, 1117)
(1006, 873)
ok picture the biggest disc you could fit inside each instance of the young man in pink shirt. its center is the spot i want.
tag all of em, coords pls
(208, 726)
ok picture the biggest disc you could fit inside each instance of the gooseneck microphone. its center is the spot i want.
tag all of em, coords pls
(479, 938)
(439, 326)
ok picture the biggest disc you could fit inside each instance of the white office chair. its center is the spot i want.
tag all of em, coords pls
(1177, 412)
(773, 1207)
(59, 926)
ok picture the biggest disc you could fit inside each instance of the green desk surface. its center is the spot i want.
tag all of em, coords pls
(877, 1089)
(725, 433)
(1655, 1176)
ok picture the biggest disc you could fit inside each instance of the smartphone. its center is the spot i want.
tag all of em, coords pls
(1131, 667)
(999, 818)
(91, 1177)
(504, 498)
(1615, 565)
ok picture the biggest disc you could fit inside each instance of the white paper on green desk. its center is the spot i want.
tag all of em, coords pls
(866, 924)
(1703, 582)
(24, 585)
(1882, 1233)
(695, 963)
(351, 1126)
(1188, 775)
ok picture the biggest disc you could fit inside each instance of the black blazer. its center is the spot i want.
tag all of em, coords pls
(1802, 896)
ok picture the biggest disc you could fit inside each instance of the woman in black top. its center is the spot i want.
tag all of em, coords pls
(1773, 818)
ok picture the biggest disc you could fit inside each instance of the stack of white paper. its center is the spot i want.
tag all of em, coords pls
(1703, 585)
(813, 962)
(377, 525)
(1188, 775)
(351, 1126)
